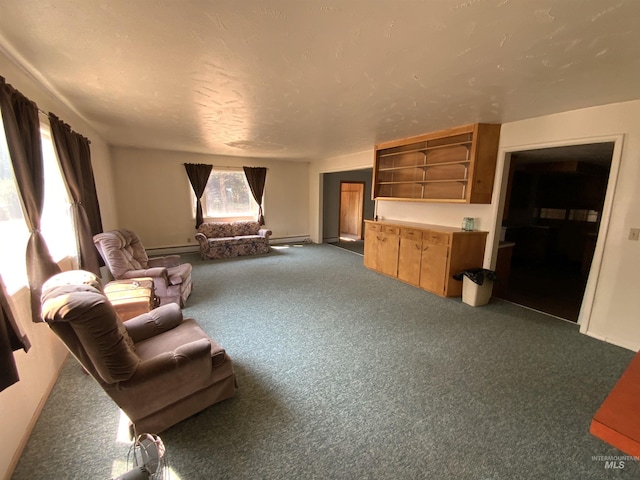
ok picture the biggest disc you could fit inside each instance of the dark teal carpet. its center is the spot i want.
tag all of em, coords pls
(356, 246)
(346, 374)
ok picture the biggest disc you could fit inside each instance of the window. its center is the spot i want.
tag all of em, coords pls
(553, 213)
(13, 229)
(227, 196)
(56, 224)
(590, 216)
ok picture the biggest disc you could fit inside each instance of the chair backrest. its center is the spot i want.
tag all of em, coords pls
(229, 229)
(216, 229)
(245, 227)
(76, 309)
(121, 251)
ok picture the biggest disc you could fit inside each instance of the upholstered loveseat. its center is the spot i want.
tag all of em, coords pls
(232, 239)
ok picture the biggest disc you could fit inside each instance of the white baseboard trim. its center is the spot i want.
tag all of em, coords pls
(614, 341)
(278, 241)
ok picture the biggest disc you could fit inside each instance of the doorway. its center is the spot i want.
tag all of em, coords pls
(332, 204)
(351, 211)
(553, 209)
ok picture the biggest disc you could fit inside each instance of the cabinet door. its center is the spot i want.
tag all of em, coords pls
(433, 267)
(409, 259)
(387, 258)
(371, 246)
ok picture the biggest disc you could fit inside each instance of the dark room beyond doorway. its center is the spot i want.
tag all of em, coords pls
(552, 215)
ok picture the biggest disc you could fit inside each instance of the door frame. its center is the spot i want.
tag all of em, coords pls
(360, 210)
(504, 164)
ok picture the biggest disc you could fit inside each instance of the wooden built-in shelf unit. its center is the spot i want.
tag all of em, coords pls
(457, 165)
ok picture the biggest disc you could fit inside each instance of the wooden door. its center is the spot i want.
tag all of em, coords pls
(351, 209)
(433, 269)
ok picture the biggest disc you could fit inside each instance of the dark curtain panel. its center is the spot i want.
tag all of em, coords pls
(22, 128)
(198, 174)
(75, 159)
(11, 339)
(256, 177)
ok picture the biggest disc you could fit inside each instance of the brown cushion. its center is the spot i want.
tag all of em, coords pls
(122, 251)
(98, 329)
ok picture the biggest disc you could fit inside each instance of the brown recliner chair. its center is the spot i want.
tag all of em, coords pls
(125, 256)
(158, 367)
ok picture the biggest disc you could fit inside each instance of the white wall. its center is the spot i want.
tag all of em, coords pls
(611, 300)
(154, 196)
(20, 404)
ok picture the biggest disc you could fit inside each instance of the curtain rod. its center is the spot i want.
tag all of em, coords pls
(4, 82)
(222, 166)
(46, 114)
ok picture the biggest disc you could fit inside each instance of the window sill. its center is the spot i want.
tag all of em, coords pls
(230, 219)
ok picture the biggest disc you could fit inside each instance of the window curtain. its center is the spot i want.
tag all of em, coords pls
(256, 177)
(198, 174)
(11, 339)
(22, 128)
(75, 159)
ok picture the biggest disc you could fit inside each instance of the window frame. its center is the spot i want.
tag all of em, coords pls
(232, 217)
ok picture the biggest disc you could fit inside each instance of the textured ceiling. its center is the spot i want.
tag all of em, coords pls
(305, 79)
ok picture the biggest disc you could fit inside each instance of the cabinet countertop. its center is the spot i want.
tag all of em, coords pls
(423, 226)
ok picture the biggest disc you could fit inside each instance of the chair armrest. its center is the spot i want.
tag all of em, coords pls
(201, 237)
(161, 379)
(149, 272)
(195, 354)
(264, 232)
(150, 324)
(166, 261)
(204, 243)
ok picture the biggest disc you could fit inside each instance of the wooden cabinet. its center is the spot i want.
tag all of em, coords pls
(456, 165)
(381, 246)
(433, 271)
(410, 255)
(423, 255)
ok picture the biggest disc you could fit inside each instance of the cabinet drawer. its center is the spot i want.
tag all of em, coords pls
(391, 230)
(436, 237)
(374, 227)
(411, 233)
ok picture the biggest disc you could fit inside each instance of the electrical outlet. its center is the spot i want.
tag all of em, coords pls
(634, 234)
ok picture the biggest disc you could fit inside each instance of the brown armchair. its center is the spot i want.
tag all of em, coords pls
(125, 256)
(158, 367)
